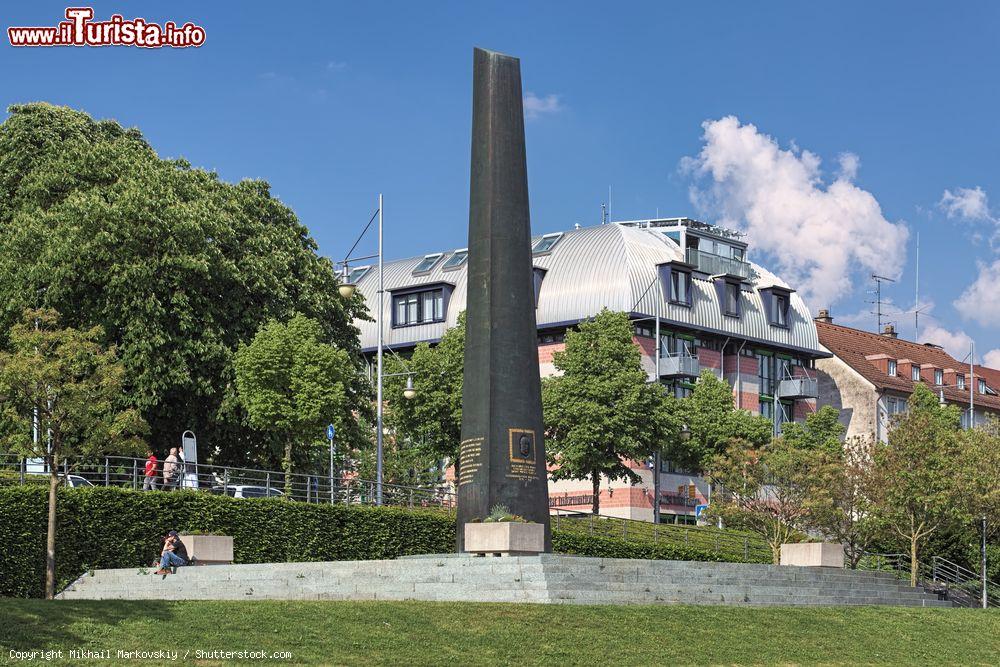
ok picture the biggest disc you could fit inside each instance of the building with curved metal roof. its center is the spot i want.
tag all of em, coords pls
(715, 311)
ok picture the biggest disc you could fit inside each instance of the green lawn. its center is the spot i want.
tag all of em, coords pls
(422, 633)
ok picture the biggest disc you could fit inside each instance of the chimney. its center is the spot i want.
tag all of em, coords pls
(824, 316)
(890, 331)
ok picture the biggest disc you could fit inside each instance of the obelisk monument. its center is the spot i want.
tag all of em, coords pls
(502, 456)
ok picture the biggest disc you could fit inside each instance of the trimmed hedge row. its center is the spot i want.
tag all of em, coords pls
(610, 547)
(109, 528)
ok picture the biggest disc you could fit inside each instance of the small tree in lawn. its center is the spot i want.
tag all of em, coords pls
(432, 420)
(764, 490)
(915, 472)
(75, 386)
(601, 412)
(979, 475)
(291, 381)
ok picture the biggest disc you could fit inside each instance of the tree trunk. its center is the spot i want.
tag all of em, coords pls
(287, 465)
(913, 559)
(50, 537)
(596, 477)
(776, 552)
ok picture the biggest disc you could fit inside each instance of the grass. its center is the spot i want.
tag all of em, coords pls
(427, 633)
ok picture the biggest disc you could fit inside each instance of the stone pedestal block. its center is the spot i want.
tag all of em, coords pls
(813, 554)
(209, 549)
(506, 538)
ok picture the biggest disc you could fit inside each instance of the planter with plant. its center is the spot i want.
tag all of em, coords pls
(502, 533)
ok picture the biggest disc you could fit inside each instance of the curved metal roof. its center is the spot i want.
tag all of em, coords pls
(609, 266)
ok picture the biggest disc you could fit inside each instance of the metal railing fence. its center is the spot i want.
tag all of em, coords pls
(949, 580)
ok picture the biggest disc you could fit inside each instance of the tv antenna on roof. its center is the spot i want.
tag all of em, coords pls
(878, 299)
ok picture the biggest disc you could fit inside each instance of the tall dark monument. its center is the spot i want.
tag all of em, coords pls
(502, 456)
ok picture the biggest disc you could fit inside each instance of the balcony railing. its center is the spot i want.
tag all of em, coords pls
(681, 365)
(798, 388)
(717, 264)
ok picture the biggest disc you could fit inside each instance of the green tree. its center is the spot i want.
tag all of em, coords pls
(601, 412)
(915, 472)
(73, 385)
(293, 383)
(432, 420)
(176, 266)
(715, 423)
(764, 490)
(822, 431)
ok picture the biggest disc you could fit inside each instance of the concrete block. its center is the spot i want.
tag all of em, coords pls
(813, 554)
(505, 538)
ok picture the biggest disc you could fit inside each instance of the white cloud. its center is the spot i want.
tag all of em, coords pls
(980, 302)
(992, 358)
(336, 65)
(819, 235)
(967, 204)
(955, 343)
(535, 106)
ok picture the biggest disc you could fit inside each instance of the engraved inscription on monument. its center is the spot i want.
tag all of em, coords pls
(522, 454)
(470, 459)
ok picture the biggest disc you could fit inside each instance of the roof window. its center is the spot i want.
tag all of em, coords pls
(427, 263)
(457, 259)
(546, 243)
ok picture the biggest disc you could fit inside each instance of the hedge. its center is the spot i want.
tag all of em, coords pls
(111, 528)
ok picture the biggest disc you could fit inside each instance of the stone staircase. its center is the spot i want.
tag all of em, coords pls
(547, 578)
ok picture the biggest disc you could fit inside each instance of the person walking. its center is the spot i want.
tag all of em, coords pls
(171, 470)
(149, 481)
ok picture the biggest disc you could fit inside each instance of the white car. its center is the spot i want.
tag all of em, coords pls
(247, 491)
(73, 481)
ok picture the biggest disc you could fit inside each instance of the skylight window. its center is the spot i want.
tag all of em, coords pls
(546, 243)
(427, 263)
(357, 274)
(458, 258)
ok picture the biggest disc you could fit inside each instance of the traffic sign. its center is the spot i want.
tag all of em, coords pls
(330, 432)
(699, 510)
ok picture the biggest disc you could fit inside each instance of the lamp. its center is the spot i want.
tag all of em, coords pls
(409, 392)
(685, 433)
(346, 287)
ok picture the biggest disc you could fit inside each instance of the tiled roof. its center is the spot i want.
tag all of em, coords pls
(852, 346)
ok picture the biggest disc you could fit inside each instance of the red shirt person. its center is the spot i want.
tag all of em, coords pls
(149, 482)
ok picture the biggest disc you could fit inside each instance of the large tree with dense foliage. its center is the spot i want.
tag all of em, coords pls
(293, 384)
(63, 382)
(176, 266)
(715, 423)
(601, 412)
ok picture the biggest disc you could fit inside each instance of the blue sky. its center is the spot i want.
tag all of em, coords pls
(830, 132)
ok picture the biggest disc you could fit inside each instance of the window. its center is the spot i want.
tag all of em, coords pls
(680, 287)
(427, 263)
(960, 381)
(418, 308)
(982, 386)
(357, 274)
(938, 377)
(457, 259)
(892, 367)
(765, 375)
(546, 243)
(538, 275)
(915, 373)
(732, 299)
(676, 345)
(767, 409)
(780, 305)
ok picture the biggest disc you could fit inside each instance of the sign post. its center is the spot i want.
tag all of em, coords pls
(189, 449)
(330, 433)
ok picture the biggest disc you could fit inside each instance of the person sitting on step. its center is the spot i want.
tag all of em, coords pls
(174, 553)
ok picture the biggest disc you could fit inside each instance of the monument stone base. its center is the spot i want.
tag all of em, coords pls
(813, 554)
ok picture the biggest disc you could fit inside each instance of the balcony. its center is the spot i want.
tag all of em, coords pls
(798, 388)
(715, 265)
(679, 366)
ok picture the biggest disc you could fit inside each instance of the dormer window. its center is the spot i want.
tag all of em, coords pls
(779, 309)
(680, 287)
(457, 259)
(915, 373)
(938, 377)
(776, 301)
(423, 305)
(982, 386)
(538, 275)
(731, 299)
(960, 381)
(546, 243)
(892, 368)
(427, 263)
